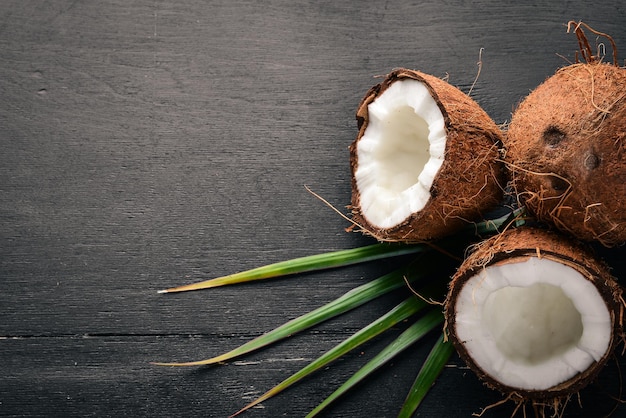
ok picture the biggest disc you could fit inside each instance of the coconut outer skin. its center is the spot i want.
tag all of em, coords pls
(566, 146)
(517, 245)
(470, 180)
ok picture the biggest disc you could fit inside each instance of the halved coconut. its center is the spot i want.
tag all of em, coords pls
(566, 147)
(425, 160)
(534, 315)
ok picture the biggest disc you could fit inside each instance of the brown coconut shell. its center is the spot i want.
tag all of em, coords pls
(516, 245)
(468, 184)
(566, 146)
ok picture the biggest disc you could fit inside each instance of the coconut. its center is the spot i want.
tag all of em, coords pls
(534, 315)
(425, 160)
(566, 145)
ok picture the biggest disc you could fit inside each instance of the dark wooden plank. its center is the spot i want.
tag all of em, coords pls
(151, 143)
(107, 376)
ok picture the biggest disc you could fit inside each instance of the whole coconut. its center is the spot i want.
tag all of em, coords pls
(566, 147)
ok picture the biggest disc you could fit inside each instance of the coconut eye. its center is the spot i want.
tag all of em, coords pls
(552, 136)
(591, 161)
(559, 184)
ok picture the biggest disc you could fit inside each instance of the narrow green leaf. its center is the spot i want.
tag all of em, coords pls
(426, 377)
(493, 226)
(401, 312)
(415, 332)
(347, 257)
(309, 263)
(352, 299)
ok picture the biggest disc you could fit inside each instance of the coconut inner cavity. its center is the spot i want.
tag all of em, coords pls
(400, 153)
(532, 324)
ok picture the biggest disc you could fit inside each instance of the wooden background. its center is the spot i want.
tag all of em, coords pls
(146, 144)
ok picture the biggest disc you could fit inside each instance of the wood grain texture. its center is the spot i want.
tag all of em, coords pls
(152, 143)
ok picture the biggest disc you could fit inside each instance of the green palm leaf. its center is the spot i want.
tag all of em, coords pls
(414, 333)
(309, 263)
(426, 377)
(352, 299)
(401, 312)
(348, 257)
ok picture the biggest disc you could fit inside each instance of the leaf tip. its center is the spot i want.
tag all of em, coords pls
(158, 363)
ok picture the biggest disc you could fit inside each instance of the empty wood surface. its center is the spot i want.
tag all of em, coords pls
(147, 144)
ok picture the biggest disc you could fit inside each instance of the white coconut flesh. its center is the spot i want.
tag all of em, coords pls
(532, 324)
(400, 153)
